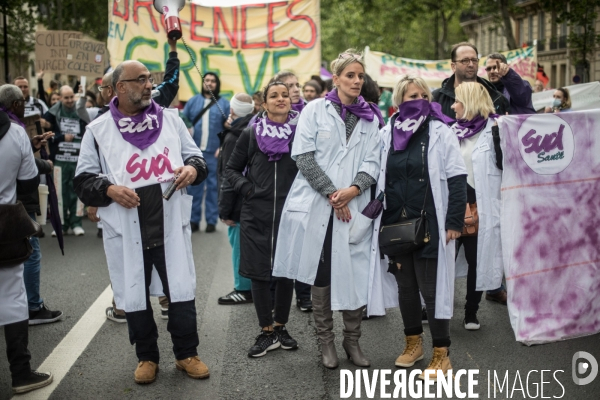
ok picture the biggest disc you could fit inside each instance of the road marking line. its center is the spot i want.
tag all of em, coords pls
(62, 358)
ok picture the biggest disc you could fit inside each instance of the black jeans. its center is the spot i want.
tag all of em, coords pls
(323, 278)
(263, 302)
(182, 317)
(17, 339)
(473, 296)
(420, 274)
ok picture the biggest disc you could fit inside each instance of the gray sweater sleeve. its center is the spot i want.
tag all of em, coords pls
(363, 181)
(316, 177)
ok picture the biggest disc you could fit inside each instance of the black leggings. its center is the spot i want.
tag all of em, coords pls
(261, 295)
(473, 296)
(323, 278)
(420, 274)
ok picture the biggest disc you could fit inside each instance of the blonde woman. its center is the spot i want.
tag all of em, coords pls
(337, 153)
(475, 123)
(421, 164)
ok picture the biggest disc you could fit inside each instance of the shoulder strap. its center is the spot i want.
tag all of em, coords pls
(252, 146)
(203, 111)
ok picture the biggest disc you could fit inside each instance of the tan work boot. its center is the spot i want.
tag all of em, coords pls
(413, 352)
(194, 367)
(440, 361)
(146, 372)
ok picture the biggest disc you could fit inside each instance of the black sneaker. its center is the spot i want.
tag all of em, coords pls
(99, 234)
(210, 228)
(43, 316)
(35, 380)
(424, 319)
(236, 297)
(266, 341)
(113, 316)
(471, 322)
(287, 342)
(195, 227)
(304, 305)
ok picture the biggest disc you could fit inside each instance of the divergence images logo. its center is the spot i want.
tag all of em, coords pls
(582, 367)
(546, 144)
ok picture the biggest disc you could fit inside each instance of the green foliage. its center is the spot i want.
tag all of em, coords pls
(406, 29)
(20, 26)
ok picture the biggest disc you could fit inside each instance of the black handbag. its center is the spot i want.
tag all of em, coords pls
(405, 236)
(16, 227)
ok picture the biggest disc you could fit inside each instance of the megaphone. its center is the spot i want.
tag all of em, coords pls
(170, 9)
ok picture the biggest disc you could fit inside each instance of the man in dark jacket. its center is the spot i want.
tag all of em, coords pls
(465, 62)
(516, 90)
(230, 203)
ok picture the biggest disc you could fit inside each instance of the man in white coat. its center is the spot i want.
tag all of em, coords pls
(18, 174)
(129, 157)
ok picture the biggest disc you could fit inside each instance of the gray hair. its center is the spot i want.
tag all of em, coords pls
(9, 94)
(108, 79)
(116, 75)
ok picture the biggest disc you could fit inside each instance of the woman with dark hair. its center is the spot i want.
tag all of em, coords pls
(561, 102)
(337, 153)
(290, 80)
(264, 152)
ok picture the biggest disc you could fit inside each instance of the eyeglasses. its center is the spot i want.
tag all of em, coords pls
(141, 80)
(492, 68)
(466, 61)
(102, 87)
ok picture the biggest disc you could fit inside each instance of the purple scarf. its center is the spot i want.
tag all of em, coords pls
(361, 109)
(465, 129)
(274, 138)
(141, 130)
(299, 106)
(410, 116)
(13, 117)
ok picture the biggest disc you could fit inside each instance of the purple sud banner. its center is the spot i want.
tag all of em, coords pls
(551, 224)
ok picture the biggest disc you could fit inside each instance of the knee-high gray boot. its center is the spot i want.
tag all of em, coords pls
(321, 299)
(352, 321)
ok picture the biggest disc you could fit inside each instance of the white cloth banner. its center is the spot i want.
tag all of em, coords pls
(551, 224)
(585, 96)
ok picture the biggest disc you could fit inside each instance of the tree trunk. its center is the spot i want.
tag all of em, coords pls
(508, 30)
(436, 35)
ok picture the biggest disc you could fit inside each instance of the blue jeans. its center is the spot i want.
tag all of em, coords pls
(239, 282)
(31, 273)
(212, 193)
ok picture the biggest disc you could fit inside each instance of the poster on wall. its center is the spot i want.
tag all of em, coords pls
(245, 45)
(549, 223)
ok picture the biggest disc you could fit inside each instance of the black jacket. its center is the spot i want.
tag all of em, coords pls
(445, 96)
(31, 201)
(230, 203)
(264, 188)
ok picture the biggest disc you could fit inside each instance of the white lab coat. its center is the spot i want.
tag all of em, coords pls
(306, 213)
(121, 231)
(488, 179)
(444, 162)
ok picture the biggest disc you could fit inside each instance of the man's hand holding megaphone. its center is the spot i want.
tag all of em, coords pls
(170, 9)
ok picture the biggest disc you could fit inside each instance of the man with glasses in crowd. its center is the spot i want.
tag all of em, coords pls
(143, 147)
(465, 63)
(516, 89)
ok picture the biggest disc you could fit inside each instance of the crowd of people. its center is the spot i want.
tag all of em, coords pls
(287, 170)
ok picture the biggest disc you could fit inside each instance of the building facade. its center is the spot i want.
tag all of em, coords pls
(533, 26)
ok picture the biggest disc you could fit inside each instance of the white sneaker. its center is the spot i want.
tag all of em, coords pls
(78, 231)
(53, 233)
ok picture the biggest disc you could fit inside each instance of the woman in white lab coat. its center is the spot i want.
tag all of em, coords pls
(483, 251)
(324, 240)
(420, 165)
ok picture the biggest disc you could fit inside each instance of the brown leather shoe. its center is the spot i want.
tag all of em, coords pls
(146, 372)
(194, 367)
(499, 297)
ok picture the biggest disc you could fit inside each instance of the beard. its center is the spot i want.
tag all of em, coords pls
(136, 100)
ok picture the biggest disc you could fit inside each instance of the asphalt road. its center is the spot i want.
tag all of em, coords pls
(104, 370)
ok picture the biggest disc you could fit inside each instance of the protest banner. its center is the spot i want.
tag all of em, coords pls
(51, 49)
(244, 45)
(86, 57)
(584, 96)
(386, 69)
(549, 223)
